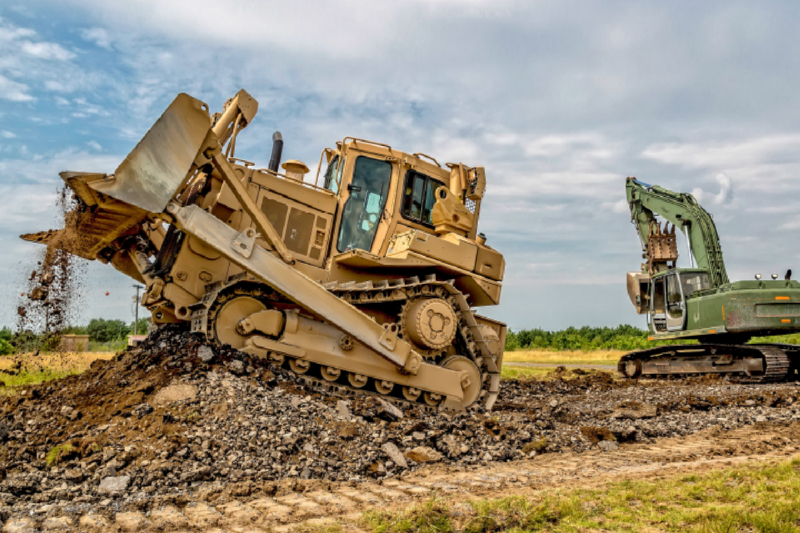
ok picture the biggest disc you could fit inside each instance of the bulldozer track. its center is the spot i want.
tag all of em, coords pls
(363, 295)
(344, 503)
(778, 365)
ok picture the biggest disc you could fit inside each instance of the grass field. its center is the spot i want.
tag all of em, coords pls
(598, 357)
(28, 369)
(22, 370)
(749, 498)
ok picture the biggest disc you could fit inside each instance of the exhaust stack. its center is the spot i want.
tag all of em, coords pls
(277, 150)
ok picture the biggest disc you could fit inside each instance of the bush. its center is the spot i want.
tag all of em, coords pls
(5, 347)
(586, 338)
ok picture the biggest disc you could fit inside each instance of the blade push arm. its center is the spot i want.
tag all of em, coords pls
(682, 210)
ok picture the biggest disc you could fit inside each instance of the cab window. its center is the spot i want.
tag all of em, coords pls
(419, 197)
(674, 296)
(694, 281)
(332, 175)
(362, 211)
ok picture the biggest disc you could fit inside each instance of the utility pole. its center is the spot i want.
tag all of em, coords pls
(136, 305)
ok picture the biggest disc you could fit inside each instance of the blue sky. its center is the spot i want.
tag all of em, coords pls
(560, 101)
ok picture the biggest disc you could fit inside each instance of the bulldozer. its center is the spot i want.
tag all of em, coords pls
(363, 280)
(700, 302)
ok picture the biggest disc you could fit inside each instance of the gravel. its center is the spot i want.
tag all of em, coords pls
(166, 420)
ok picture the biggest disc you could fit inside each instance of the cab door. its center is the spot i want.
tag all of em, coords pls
(675, 303)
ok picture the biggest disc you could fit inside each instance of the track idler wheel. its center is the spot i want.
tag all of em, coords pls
(471, 383)
(226, 330)
(631, 369)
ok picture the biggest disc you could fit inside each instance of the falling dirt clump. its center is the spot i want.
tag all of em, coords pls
(50, 302)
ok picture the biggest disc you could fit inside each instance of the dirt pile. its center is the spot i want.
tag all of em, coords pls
(176, 418)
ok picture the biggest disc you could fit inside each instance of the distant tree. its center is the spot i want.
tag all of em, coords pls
(6, 334)
(144, 323)
(102, 330)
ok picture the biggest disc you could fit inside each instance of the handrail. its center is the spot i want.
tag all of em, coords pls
(244, 161)
(420, 154)
(285, 177)
(357, 140)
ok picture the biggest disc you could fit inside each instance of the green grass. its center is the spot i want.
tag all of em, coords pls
(26, 378)
(525, 372)
(57, 452)
(750, 498)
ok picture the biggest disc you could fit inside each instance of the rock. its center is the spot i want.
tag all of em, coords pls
(388, 411)
(142, 409)
(175, 393)
(343, 408)
(608, 445)
(634, 412)
(236, 367)
(553, 403)
(423, 454)
(418, 436)
(3, 432)
(205, 353)
(393, 452)
(761, 418)
(169, 519)
(19, 525)
(114, 485)
(132, 521)
(56, 522)
(74, 475)
(93, 521)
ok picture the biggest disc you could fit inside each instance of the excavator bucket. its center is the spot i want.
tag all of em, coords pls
(157, 167)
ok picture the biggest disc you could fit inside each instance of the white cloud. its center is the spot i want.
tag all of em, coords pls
(45, 50)
(98, 36)
(5, 134)
(724, 195)
(94, 145)
(14, 91)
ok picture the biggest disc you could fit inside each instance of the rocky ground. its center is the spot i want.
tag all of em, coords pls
(175, 421)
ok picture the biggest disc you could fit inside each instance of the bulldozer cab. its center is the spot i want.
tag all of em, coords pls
(382, 192)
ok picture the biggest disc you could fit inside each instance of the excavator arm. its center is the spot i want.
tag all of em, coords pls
(683, 211)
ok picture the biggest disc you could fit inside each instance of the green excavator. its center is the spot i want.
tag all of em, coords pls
(699, 302)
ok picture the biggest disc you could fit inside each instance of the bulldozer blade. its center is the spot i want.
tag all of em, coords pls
(158, 166)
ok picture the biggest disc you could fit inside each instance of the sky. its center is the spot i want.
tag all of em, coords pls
(559, 100)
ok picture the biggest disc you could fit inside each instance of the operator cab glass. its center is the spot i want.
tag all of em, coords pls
(419, 197)
(332, 176)
(668, 305)
(363, 209)
(694, 281)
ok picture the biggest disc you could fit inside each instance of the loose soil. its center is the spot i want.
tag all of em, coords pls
(174, 427)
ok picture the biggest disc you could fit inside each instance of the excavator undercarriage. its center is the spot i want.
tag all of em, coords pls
(364, 284)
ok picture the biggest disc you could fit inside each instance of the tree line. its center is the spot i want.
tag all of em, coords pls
(623, 337)
(99, 330)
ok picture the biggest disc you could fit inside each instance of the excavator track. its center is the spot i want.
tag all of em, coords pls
(750, 363)
(386, 294)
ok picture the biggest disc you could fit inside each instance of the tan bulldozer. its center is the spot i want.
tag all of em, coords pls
(363, 281)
